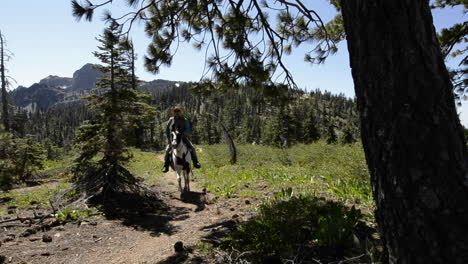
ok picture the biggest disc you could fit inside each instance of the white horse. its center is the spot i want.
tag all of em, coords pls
(181, 161)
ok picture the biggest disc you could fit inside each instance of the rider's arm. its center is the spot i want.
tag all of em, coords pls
(168, 130)
(187, 127)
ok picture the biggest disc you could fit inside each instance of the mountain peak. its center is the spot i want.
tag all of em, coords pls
(85, 78)
(57, 81)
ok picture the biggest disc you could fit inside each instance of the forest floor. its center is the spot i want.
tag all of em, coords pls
(149, 237)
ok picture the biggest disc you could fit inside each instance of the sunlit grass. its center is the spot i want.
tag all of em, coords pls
(63, 162)
(334, 171)
(40, 195)
(145, 164)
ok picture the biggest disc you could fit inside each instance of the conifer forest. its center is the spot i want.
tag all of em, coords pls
(245, 162)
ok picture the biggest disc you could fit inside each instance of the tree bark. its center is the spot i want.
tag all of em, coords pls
(5, 117)
(412, 137)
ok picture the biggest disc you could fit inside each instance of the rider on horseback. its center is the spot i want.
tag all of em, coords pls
(180, 123)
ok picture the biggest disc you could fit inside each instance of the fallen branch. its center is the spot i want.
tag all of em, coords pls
(52, 206)
(13, 225)
(23, 219)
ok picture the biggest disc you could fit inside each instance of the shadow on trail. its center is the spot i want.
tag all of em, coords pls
(218, 231)
(142, 212)
(174, 259)
(196, 198)
(183, 257)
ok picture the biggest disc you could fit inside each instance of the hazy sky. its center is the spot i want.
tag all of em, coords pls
(47, 40)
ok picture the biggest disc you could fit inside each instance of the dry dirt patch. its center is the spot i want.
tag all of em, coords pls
(145, 237)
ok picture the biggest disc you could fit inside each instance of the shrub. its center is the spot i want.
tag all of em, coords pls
(19, 159)
(296, 227)
(72, 214)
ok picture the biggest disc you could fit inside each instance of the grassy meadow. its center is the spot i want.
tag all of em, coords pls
(328, 170)
(333, 171)
(318, 187)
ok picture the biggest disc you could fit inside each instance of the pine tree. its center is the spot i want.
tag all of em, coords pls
(347, 137)
(29, 156)
(7, 157)
(278, 129)
(311, 131)
(141, 115)
(19, 158)
(331, 135)
(116, 106)
(3, 79)
(411, 134)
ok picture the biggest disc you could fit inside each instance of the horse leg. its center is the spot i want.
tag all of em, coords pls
(179, 179)
(187, 179)
(187, 171)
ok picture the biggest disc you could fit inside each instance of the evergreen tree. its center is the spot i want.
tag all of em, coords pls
(116, 106)
(3, 79)
(29, 156)
(331, 135)
(410, 147)
(311, 132)
(7, 158)
(450, 38)
(19, 158)
(347, 136)
(278, 130)
(144, 115)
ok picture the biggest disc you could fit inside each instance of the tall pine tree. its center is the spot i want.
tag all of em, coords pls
(116, 105)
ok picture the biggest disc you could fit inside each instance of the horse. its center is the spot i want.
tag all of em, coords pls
(181, 158)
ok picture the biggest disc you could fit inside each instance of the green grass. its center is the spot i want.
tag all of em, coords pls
(143, 164)
(146, 165)
(299, 227)
(22, 198)
(305, 191)
(58, 164)
(334, 171)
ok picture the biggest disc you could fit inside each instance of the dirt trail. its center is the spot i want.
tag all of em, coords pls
(191, 224)
(143, 239)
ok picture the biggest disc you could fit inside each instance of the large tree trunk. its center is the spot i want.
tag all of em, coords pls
(411, 133)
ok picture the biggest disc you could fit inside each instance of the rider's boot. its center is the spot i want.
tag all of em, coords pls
(195, 158)
(166, 163)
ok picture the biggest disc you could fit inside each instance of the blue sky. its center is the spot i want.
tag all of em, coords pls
(47, 40)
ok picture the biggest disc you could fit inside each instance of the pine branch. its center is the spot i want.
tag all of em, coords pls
(78, 11)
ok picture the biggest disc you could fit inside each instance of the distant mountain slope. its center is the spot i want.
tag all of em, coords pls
(158, 85)
(38, 95)
(56, 81)
(56, 90)
(85, 78)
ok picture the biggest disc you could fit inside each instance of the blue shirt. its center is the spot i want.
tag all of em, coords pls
(186, 131)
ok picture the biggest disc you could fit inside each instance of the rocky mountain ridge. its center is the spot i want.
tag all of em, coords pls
(54, 90)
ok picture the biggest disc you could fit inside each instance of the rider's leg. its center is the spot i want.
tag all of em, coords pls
(166, 160)
(191, 148)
